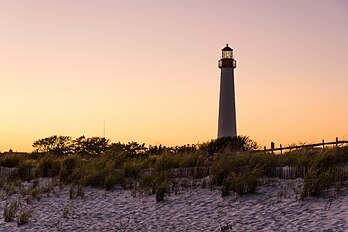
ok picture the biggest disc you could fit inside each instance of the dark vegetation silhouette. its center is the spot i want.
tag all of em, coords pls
(64, 145)
(227, 162)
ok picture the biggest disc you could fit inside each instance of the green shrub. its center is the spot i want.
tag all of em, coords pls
(147, 182)
(112, 179)
(9, 188)
(67, 168)
(109, 182)
(13, 176)
(23, 217)
(56, 166)
(132, 169)
(161, 185)
(48, 165)
(241, 183)
(11, 160)
(226, 186)
(10, 211)
(160, 192)
(220, 169)
(68, 210)
(234, 183)
(165, 162)
(34, 192)
(64, 175)
(316, 182)
(229, 144)
(44, 166)
(191, 160)
(25, 170)
(95, 177)
(251, 180)
(69, 163)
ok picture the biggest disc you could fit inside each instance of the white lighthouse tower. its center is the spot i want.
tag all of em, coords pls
(227, 105)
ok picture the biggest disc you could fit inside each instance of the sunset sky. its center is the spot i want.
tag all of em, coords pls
(149, 69)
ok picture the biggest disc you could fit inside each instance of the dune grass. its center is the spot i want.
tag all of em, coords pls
(148, 167)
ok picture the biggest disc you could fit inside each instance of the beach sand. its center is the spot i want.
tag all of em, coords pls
(274, 208)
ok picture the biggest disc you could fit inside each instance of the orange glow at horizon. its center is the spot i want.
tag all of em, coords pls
(149, 70)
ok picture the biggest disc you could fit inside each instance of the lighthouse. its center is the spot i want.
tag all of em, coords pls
(227, 107)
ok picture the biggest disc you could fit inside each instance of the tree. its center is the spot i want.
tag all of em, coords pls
(117, 147)
(232, 144)
(59, 145)
(90, 146)
(135, 149)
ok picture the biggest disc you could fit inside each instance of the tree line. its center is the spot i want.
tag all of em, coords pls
(91, 146)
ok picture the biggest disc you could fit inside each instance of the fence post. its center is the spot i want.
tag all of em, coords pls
(336, 141)
(281, 149)
(323, 144)
(272, 146)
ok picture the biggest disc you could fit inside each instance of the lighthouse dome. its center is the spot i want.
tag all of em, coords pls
(227, 48)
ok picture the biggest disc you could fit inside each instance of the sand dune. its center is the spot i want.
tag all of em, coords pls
(273, 208)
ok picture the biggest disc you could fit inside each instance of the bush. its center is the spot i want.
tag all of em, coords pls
(161, 185)
(233, 182)
(10, 211)
(160, 192)
(251, 180)
(66, 169)
(112, 179)
(242, 183)
(316, 182)
(69, 163)
(44, 165)
(68, 210)
(34, 193)
(147, 182)
(11, 160)
(25, 170)
(23, 218)
(132, 169)
(95, 177)
(191, 160)
(229, 144)
(9, 188)
(226, 186)
(326, 169)
(220, 169)
(165, 162)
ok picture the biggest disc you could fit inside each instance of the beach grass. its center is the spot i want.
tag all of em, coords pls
(231, 164)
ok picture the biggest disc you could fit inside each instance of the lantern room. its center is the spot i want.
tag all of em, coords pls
(227, 52)
(227, 60)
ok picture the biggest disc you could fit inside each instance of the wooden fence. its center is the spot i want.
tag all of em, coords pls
(323, 144)
(286, 172)
(196, 172)
(5, 171)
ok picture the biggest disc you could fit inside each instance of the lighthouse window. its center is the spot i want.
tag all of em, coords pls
(227, 54)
